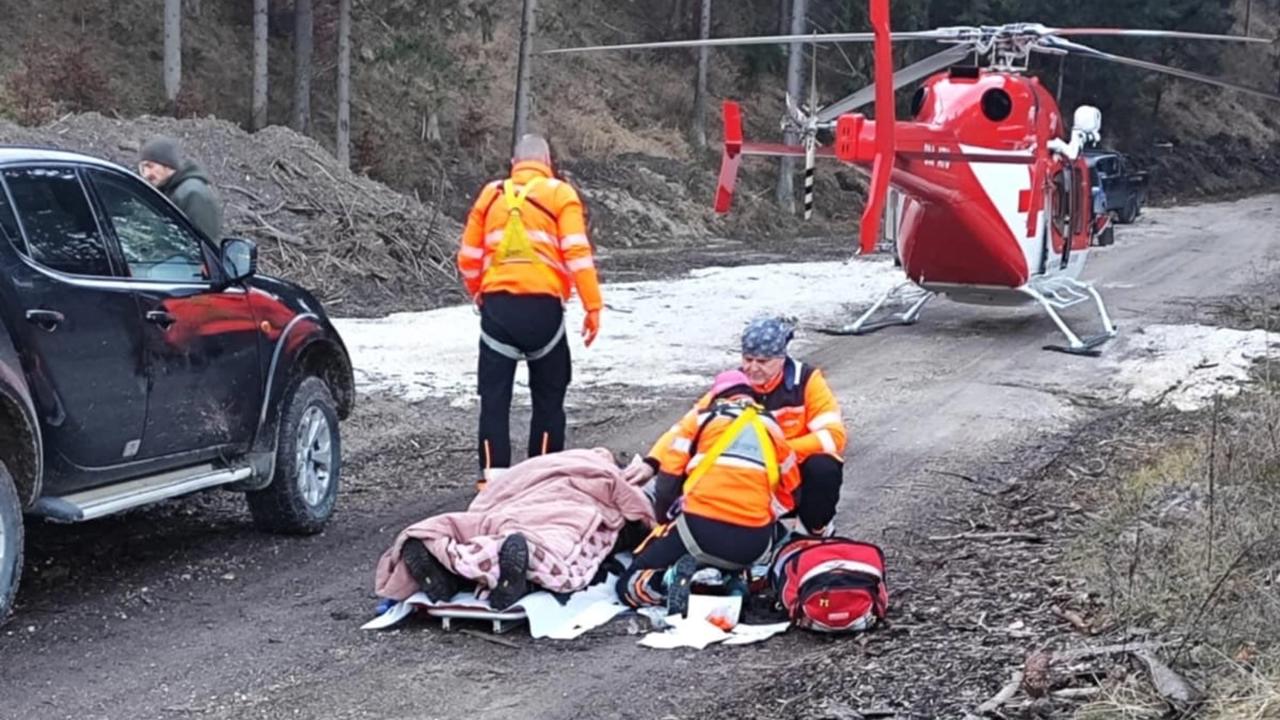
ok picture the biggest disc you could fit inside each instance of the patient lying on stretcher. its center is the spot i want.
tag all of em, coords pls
(550, 521)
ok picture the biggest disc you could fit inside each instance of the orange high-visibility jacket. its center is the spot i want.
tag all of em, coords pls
(553, 218)
(736, 487)
(804, 406)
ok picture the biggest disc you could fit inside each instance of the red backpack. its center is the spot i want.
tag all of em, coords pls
(830, 584)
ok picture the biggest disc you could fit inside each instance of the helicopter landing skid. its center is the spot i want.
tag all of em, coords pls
(1061, 293)
(915, 295)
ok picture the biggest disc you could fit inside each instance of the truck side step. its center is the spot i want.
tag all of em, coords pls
(99, 502)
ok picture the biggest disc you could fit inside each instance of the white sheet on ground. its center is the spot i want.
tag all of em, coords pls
(697, 631)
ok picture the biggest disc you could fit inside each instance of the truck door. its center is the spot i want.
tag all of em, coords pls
(200, 344)
(77, 325)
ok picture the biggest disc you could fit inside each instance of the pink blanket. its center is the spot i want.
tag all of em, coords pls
(569, 505)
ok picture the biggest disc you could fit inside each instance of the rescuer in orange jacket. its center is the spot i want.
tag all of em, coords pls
(798, 397)
(726, 477)
(524, 250)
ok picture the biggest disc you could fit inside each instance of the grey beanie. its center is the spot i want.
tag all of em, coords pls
(163, 150)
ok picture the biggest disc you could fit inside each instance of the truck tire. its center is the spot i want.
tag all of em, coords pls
(10, 543)
(304, 487)
(1130, 211)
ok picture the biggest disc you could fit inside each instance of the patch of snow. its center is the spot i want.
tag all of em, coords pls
(1187, 365)
(668, 333)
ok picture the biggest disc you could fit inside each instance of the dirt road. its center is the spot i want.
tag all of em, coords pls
(184, 611)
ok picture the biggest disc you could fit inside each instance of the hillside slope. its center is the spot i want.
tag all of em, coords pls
(434, 81)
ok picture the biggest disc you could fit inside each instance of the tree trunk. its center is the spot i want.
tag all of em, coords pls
(172, 49)
(303, 21)
(795, 79)
(260, 19)
(679, 17)
(521, 124)
(700, 91)
(344, 83)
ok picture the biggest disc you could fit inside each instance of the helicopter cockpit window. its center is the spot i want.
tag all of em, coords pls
(996, 105)
(917, 101)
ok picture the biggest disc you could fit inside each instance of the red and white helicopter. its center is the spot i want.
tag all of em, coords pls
(996, 192)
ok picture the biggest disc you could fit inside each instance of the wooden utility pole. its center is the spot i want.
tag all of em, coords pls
(302, 42)
(521, 124)
(260, 20)
(172, 49)
(700, 91)
(344, 83)
(795, 79)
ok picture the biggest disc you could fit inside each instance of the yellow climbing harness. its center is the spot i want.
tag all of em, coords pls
(515, 246)
(749, 416)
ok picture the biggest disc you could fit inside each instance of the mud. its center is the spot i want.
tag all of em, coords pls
(183, 610)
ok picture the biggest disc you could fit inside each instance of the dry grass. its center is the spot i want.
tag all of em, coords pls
(1248, 691)
(1187, 547)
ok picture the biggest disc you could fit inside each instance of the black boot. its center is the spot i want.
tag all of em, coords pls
(513, 570)
(678, 585)
(433, 579)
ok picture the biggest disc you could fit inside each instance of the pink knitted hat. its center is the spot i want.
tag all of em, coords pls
(730, 379)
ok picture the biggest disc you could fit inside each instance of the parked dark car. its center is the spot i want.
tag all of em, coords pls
(1125, 188)
(142, 361)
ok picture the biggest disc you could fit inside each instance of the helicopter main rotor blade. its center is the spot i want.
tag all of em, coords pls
(1087, 51)
(907, 75)
(759, 40)
(1176, 34)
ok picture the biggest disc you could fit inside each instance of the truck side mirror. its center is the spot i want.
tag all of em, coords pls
(239, 259)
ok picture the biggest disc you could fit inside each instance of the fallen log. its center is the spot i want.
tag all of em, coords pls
(1023, 536)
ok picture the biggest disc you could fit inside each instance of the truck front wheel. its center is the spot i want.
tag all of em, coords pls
(1130, 211)
(308, 464)
(10, 543)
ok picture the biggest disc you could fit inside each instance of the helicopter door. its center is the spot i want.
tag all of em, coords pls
(1069, 217)
(1057, 236)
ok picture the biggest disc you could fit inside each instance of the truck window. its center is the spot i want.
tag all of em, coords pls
(155, 245)
(60, 230)
(9, 223)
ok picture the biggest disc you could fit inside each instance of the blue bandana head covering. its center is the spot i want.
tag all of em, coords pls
(767, 337)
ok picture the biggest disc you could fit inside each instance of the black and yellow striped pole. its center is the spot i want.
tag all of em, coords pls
(811, 132)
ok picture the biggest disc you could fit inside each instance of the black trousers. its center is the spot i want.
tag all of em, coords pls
(526, 322)
(819, 492)
(643, 583)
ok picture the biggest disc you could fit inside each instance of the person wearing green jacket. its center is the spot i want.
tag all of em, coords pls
(184, 182)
